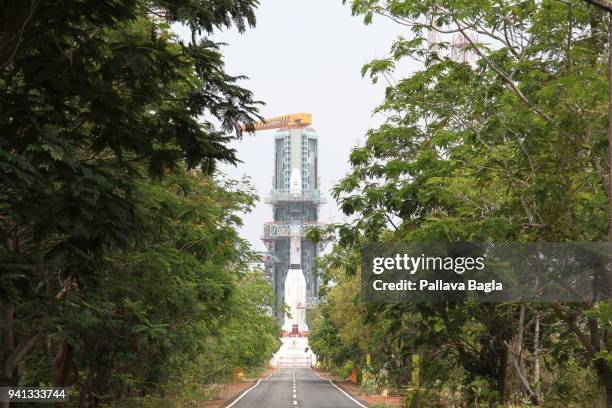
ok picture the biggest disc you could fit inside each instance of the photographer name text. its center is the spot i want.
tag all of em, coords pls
(437, 285)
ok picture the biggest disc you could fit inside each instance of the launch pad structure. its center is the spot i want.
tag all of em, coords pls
(295, 199)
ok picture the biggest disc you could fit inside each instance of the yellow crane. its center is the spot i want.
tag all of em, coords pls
(296, 120)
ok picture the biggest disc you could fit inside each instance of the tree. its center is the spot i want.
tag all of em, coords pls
(510, 147)
(604, 4)
(99, 98)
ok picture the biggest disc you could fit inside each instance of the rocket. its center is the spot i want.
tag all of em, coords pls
(295, 283)
(295, 182)
(295, 300)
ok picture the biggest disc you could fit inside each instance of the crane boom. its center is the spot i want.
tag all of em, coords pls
(296, 120)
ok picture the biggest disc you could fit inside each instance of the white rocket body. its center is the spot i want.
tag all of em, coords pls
(295, 283)
(295, 288)
(295, 298)
(295, 182)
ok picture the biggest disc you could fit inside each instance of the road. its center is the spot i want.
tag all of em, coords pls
(294, 388)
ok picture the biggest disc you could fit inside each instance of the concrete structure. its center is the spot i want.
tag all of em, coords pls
(294, 352)
(295, 199)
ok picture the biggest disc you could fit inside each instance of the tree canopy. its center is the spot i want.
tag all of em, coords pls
(120, 262)
(500, 136)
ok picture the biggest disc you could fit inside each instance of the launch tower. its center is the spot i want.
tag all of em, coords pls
(295, 198)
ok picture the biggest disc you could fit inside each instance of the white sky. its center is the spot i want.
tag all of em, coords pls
(306, 56)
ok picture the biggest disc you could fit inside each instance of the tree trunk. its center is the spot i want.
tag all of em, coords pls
(518, 344)
(610, 129)
(605, 376)
(86, 387)
(16, 17)
(408, 366)
(12, 360)
(8, 315)
(61, 365)
(8, 343)
(536, 356)
(518, 351)
(501, 374)
(13, 354)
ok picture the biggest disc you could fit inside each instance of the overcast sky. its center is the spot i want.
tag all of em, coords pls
(306, 56)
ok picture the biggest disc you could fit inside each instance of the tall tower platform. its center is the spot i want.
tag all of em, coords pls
(295, 198)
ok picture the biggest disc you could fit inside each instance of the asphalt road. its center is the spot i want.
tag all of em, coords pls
(294, 388)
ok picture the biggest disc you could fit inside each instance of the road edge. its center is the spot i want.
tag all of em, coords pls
(232, 401)
(360, 403)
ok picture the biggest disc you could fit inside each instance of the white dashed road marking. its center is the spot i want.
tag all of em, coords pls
(294, 395)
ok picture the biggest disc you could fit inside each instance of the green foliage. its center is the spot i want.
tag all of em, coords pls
(181, 306)
(326, 343)
(575, 387)
(121, 265)
(507, 146)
